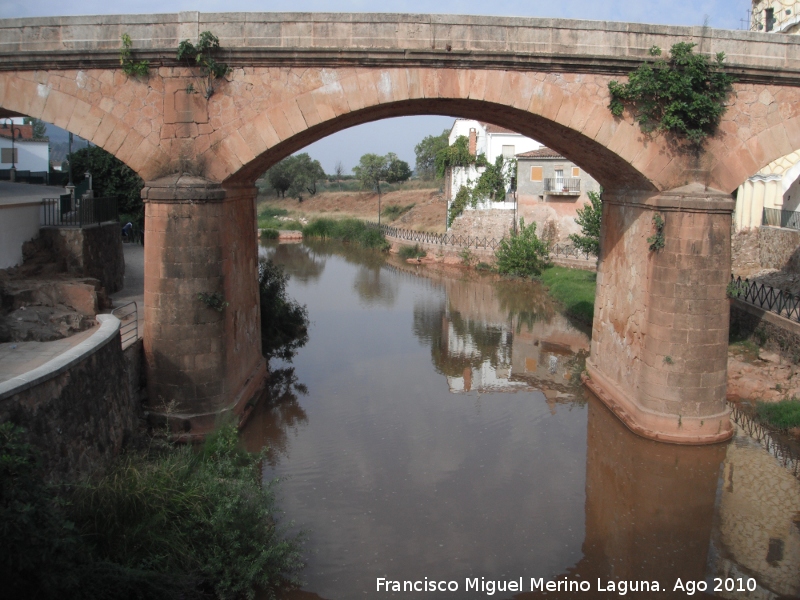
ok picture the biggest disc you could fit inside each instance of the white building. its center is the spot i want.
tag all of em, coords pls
(29, 154)
(491, 141)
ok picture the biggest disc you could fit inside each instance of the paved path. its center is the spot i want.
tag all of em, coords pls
(17, 358)
(25, 193)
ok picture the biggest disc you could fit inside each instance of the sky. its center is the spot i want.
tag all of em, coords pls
(400, 135)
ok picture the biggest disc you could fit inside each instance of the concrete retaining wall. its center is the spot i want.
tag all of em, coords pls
(20, 223)
(79, 409)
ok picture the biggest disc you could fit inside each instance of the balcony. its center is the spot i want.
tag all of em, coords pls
(562, 187)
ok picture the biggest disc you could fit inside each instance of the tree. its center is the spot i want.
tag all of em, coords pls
(684, 95)
(523, 253)
(110, 177)
(457, 155)
(338, 171)
(589, 220)
(396, 170)
(284, 322)
(39, 128)
(426, 152)
(370, 170)
(295, 174)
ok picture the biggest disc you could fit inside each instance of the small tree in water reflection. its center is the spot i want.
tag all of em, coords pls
(284, 322)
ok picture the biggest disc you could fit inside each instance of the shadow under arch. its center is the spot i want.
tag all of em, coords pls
(605, 165)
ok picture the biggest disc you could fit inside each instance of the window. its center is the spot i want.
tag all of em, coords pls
(576, 172)
(508, 152)
(5, 155)
(559, 175)
(536, 174)
(769, 18)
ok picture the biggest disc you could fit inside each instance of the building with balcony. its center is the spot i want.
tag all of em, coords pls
(551, 188)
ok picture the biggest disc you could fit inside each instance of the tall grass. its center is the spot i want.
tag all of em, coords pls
(346, 230)
(782, 415)
(268, 219)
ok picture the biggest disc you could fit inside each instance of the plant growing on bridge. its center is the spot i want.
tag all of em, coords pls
(213, 300)
(203, 55)
(589, 218)
(132, 67)
(657, 240)
(683, 95)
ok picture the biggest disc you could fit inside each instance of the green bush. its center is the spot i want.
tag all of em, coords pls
(782, 415)
(414, 251)
(523, 253)
(395, 211)
(269, 234)
(284, 322)
(346, 230)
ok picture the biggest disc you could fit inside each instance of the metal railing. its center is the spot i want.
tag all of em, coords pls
(128, 314)
(780, 302)
(570, 251)
(60, 212)
(775, 217)
(445, 239)
(557, 185)
(782, 452)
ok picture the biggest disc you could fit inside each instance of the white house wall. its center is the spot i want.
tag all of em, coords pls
(18, 223)
(32, 156)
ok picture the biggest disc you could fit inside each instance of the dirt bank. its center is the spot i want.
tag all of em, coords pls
(427, 212)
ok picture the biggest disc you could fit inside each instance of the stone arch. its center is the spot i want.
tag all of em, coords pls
(567, 112)
(115, 112)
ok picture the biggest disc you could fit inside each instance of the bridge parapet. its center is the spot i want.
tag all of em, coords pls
(267, 39)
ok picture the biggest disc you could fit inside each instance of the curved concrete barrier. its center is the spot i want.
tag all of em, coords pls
(109, 326)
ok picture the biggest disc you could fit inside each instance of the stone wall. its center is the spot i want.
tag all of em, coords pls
(81, 414)
(93, 251)
(765, 248)
(492, 223)
(765, 329)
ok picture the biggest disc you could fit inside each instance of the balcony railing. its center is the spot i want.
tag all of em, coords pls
(564, 187)
(60, 212)
(775, 217)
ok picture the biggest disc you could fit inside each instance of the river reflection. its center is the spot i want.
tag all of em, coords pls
(444, 435)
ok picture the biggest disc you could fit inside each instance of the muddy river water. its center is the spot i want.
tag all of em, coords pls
(436, 436)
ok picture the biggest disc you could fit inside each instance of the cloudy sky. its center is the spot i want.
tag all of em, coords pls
(401, 135)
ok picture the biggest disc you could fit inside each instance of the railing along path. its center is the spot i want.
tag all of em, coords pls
(780, 302)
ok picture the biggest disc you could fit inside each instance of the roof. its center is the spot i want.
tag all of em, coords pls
(497, 129)
(543, 152)
(22, 133)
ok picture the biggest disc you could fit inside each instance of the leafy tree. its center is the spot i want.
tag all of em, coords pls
(370, 171)
(494, 180)
(684, 95)
(457, 155)
(280, 178)
(523, 253)
(426, 152)
(110, 177)
(296, 175)
(589, 220)
(284, 322)
(39, 128)
(396, 170)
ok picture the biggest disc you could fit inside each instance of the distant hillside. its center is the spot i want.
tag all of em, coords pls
(59, 143)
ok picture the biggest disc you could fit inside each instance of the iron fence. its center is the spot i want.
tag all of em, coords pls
(570, 251)
(780, 302)
(128, 314)
(60, 212)
(445, 239)
(781, 451)
(567, 185)
(775, 217)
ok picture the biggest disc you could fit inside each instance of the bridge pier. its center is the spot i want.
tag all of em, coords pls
(201, 359)
(660, 336)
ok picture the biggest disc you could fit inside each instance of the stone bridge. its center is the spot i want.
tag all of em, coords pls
(659, 345)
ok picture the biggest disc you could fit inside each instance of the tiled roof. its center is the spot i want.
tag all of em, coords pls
(543, 152)
(497, 129)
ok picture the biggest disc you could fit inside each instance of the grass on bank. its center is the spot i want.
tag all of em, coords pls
(395, 211)
(346, 230)
(573, 288)
(268, 219)
(414, 251)
(783, 415)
